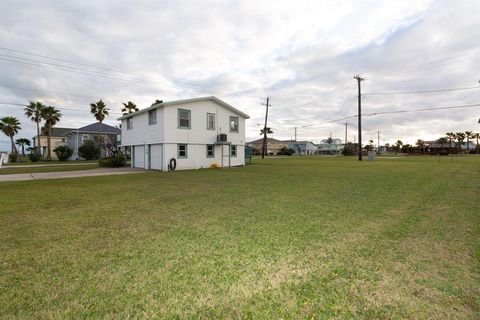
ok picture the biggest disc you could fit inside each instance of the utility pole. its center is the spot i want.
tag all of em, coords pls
(295, 134)
(378, 140)
(346, 131)
(359, 80)
(264, 147)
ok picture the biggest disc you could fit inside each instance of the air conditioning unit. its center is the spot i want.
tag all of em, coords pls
(222, 137)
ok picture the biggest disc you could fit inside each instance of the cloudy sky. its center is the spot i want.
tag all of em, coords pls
(303, 54)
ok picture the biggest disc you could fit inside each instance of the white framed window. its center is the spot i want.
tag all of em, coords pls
(210, 121)
(210, 151)
(184, 119)
(152, 117)
(85, 138)
(233, 151)
(129, 123)
(233, 124)
(182, 151)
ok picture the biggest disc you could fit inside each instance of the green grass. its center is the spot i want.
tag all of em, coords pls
(325, 238)
(52, 162)
(53, 168)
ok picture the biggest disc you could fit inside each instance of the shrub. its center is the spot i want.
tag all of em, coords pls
(117, 160)
(35, 156)
(12, 157)
(63, 152)
(89, 150)
(286, 151)
(347, 151)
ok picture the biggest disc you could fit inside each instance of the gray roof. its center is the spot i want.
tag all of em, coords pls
(57, 132)
(95, 127)
(186, 101)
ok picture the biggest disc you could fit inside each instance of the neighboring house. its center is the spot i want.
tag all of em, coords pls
(57, 138)
(433, 146)
(197, 133)
(76, 137)
(273, 146)
(302, 148)
(335, 147)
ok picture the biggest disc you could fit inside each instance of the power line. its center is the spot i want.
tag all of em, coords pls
(60, 108)
(422, 109)
(420, 91)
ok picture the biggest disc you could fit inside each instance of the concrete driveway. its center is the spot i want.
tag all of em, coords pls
(69, 174)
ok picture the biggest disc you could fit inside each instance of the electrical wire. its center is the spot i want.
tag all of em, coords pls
(420, 91)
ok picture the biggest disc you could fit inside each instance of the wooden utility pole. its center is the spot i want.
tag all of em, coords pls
(359, 80)
(378, 140)
(295, 134)
(264, 147)
(346, 132)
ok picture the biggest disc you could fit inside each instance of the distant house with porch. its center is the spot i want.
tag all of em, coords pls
(74, 138)
(273, 146)
(333, 147)
(57, 138)
(302, 148)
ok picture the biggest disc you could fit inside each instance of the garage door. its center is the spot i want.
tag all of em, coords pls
(156, 156)
(139, 157)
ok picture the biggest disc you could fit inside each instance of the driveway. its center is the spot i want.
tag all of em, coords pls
(69, 174)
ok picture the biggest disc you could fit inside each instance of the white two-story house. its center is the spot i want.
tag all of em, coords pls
(188, 134)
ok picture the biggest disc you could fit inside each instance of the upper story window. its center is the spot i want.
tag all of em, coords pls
(210, 121)
(184, 119)
(129, 123)
(152, 117)
(233, 124)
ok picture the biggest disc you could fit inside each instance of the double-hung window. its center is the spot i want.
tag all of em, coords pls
(152, 117)
(182, 151)
(129, 123)
(233, 151)
(210, 121)
(233, 124)
(210, 151)
(184, 119)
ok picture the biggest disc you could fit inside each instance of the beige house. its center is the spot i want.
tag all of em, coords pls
(57, 138)
(273, 146)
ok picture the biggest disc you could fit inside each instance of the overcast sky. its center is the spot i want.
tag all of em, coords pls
(303, 54)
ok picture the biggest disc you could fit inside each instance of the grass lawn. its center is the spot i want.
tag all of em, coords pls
(53, 168)
(285, 238)
(52, 162)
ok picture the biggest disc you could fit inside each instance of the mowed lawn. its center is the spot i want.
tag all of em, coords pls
(284, 238)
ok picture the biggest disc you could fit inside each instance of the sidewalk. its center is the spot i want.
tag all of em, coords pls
(69, 174)
(58, 164)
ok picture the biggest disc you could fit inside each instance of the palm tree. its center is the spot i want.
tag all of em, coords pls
(10, 126)
(34, 112)
(99, 111)
(442, 141)
(129, 107)
(421, 145)
(477, 136)
(468, 135)
(156, 102)
(22, 142)
(399, 145)
(451, 137)
(267, 129)
(51, 117)
(460, 137)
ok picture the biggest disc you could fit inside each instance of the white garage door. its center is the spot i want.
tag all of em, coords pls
(156, 156)
(139, 157)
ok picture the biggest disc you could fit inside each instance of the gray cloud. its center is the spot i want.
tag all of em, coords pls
(302, 54)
